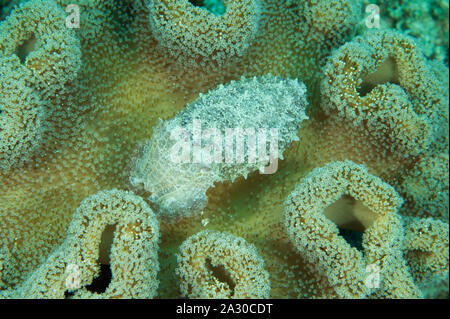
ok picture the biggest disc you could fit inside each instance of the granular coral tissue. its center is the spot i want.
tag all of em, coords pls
(224, 149)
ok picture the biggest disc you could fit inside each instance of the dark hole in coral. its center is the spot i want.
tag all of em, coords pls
(349, 213)
(214, 6)
(387, 72)
(25, 48)
(98, 285)
(351, 217)
(106, 244)
(197, 3)
(101, 283)
(353, 237)
(68, 294)
(221, 274)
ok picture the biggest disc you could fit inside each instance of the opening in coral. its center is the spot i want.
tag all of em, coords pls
(221, 274)
(350, 214)
(101, 283)
(68, 295)
(387, 72)
(352, 218)
(197, 3)
(216, 7)
(24, 49)
(105, 244)
(353, 237)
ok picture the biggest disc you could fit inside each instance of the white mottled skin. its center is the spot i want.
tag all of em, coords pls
(179, 189)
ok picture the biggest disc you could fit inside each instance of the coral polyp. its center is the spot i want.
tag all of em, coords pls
(194, 36)
(132, 257)
(382, 84)
(220, 265)
(36, 32)
(312, 221)
(115, 181)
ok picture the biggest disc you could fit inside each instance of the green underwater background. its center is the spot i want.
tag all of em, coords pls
(357, 208)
